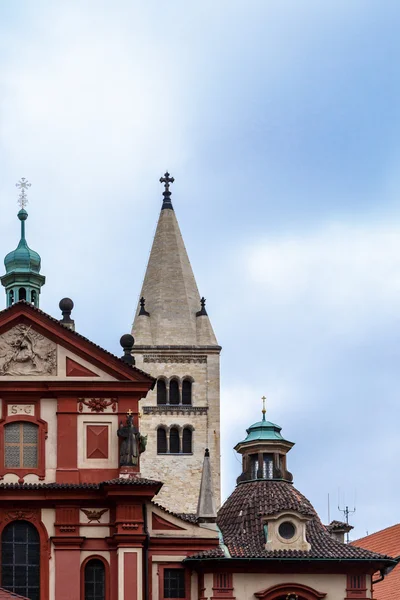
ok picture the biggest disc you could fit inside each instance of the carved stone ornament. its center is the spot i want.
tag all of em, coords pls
(97, 404)
(26, 515)
(24, 351)
(94, 515)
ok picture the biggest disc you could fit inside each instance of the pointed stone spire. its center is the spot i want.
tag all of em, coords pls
(206, 511)
(170, 290)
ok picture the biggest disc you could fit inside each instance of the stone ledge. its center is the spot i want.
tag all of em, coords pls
(170, 409)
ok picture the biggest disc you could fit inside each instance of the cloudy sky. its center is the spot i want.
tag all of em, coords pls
(280, 123)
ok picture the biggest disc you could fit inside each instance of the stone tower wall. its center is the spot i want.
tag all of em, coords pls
(181, 473)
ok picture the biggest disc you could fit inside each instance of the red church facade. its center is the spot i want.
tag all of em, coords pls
(73, 523)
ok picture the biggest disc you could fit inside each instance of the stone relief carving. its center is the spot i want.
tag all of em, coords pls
(24, 351)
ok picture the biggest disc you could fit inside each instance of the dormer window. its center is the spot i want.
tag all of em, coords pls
(286, 531)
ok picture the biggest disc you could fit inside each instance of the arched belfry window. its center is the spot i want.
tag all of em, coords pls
(174, 445)
(161, 440)
(161, 392)
(173, 392)
(187, 441)
(187, 391)
(95, 580)
(22, 293)
(20, 559)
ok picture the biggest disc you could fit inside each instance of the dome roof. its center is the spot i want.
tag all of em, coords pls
(22, 259)
(263, 430)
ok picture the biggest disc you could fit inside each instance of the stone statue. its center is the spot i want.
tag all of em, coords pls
(133, 443)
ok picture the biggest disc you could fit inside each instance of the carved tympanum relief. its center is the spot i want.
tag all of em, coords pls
(24, 351)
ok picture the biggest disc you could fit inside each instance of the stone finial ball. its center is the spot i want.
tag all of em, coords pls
(127, 341)
(66, 305)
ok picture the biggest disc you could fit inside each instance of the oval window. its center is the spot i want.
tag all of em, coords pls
(287, 530)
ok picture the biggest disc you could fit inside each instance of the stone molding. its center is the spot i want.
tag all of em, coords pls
(174, 358)
(176, 409)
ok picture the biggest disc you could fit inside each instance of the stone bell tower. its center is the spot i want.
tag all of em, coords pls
(175, 342)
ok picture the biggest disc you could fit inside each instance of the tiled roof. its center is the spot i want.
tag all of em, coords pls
(241, 521)
(386, 541)
(339, 526)
(77, 335)
(78, 486)
(6, 595)
(189, 517)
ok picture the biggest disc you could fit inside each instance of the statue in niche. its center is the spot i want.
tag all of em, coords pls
(24, 351)
(133, 443)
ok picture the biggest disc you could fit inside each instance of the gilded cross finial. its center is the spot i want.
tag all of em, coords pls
(263, 409)
(166, 180)
(23, 184)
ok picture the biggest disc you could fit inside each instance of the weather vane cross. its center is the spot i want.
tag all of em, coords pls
(23, 184)
(166, 180)
(263, 409)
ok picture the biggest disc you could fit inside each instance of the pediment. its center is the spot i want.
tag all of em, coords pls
(34, 345)
(163, 523)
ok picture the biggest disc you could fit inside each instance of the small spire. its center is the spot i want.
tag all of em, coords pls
(23, 184)
(166, 180)
(263, 409)
(202, 311)
(143, 310)
(206, 511)
(66, 305)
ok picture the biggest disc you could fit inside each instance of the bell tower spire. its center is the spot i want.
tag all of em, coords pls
(175, 342)
(22, 280)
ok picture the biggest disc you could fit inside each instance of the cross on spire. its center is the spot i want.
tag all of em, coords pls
(166, 180)
(263, 408)
(23, 184)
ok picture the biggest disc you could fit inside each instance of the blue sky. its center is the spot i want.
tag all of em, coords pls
(280, 124)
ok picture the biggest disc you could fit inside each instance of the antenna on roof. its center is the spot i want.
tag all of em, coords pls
(346, 512)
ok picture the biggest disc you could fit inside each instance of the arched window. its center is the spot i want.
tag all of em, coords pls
(20, 559)
(174, 440)
(22, 294)
(21, 445)
(33, 297)
(161, 441)
(187, 391)
(161, 392)
(11, 298)
(173, 392)
(187, 441)
(95, 580)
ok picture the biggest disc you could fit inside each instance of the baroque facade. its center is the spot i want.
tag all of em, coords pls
(109, 467)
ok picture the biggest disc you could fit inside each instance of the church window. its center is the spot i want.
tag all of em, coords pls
(187, 441)
(33, 297)
(11, 298)
(161, 441)
(268, 466)
(173, 392)
(174, 445)
(21, 445)
(174, 583)
(95, 580)
(187, 391)
(254, 466)
(161, 392)
(22, 294)
(20, 559)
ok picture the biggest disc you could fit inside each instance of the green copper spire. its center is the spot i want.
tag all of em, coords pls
(22, 279)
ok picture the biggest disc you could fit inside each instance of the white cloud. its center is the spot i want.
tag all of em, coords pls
(344, 274)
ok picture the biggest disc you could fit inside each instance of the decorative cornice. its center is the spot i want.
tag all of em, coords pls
(175, 409)
(174, 358)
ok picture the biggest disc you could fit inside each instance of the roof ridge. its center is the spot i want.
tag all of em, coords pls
(370, 535)
(74, 333)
